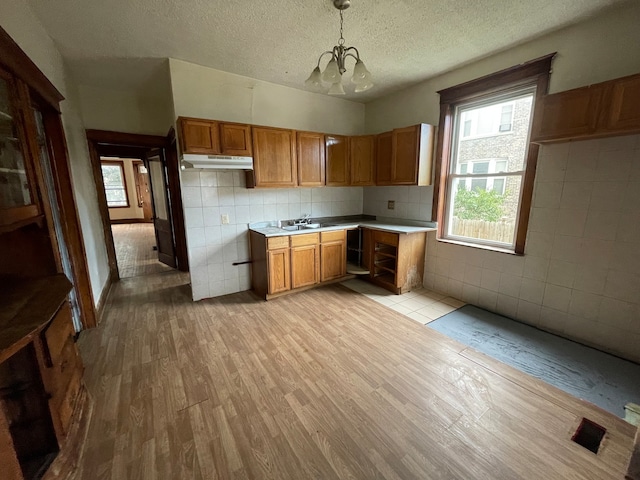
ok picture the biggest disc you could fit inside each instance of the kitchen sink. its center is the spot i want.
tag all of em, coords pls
(292, 228)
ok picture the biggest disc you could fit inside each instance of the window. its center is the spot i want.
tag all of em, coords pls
(115, 186)
(485, 162)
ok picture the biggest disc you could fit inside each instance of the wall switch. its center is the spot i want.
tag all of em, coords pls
(391, 204)
(225, 218)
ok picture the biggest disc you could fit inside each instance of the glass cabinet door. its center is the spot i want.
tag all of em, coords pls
(15, 189)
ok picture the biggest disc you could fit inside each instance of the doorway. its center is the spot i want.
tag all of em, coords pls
(137, 180)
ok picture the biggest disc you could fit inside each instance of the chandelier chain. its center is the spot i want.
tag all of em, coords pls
(341, 40)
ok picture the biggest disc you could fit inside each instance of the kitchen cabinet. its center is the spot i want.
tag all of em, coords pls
(274, 158)
(311, 159)
(362, 160)
(337, 160)
(405, 156)
(397, 259)
(289, 263)
(210, 137)
(305, 260)
(235, 139)
(199, 136)
(333, 255)
(604, 109)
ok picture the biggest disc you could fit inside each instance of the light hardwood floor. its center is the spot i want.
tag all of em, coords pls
(135, 255)
(322, 384)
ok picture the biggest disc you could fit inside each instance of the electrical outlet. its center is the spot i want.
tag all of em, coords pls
(391, 204)
(225, 218)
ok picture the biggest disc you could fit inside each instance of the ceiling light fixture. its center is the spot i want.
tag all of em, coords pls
(336, 67)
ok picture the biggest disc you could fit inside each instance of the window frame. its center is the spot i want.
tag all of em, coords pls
(533, 73)
(120, 163)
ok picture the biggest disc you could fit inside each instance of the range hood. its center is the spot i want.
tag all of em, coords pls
(220, 162)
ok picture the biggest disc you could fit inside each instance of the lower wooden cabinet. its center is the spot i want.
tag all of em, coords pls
(333, 254)
(292, 262)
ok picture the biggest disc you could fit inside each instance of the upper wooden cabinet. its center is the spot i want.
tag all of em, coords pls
(600, 110)
(18, 192)
(337, 160)
(274, 158)
(310, 150)
(214, 138)
(235, 139)
(404, 156)
(362, 160)
(199, 136)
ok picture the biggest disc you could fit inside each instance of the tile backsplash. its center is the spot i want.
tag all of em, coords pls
(580, 275)
(213, 247)
(410, 203)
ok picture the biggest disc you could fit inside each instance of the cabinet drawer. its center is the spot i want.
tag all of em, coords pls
(385, 237)
(277, 242)
(58, 331)
(65, 403)
(333, 236)
(305, 239)
(63, 369)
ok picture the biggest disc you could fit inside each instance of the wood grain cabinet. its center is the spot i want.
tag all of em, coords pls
(397, 259)
(210, 137)
(274, 158)
(601, 110)
(311, 159)
(337, 160)
(333, 255)
(362, 150)
(405, 155)
(305, 260)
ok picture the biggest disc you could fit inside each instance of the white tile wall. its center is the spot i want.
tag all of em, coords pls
(213, 247)
(580, 275)
(411, 203)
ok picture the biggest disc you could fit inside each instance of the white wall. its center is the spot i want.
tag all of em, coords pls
(599, 49)
(580, 275)
(125, 111)
(133, 211)
(207, 93)
(20, 22)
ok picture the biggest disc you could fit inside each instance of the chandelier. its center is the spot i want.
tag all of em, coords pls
(336, 67)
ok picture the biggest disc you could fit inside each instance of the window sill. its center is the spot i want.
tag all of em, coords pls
(480, 246)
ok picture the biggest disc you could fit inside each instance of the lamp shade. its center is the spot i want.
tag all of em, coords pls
(361, 74)
(336, 89)
(314, 82)
(331, 73)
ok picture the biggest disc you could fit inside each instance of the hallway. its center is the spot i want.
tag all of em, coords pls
(134, 244)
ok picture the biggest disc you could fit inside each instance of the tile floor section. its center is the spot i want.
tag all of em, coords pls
(421, 305)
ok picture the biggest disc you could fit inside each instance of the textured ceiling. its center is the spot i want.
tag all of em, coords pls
(116, 43)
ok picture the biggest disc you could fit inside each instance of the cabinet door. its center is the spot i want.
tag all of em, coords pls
(405, 156)
(17, 182)
(274, 155)
(305, 266)
(199, 136)
(623, 113)
(333, 256)
(570, 114)
(384, 158)
(362, 159)
(235, 139)
(310, 159)
(279, 268)
(337, 153)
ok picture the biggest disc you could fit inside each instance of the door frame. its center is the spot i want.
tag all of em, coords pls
(131, 145)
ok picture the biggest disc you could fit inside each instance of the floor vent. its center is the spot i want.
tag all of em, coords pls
(589, 435)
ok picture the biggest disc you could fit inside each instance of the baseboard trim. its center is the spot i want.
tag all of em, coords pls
(104, 298)
(129, 220)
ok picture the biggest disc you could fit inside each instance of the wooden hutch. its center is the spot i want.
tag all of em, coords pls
(44, 284)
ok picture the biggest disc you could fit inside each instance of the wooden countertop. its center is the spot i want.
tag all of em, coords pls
(27, 305)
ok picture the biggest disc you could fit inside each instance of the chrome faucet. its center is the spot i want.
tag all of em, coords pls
(306, 218)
